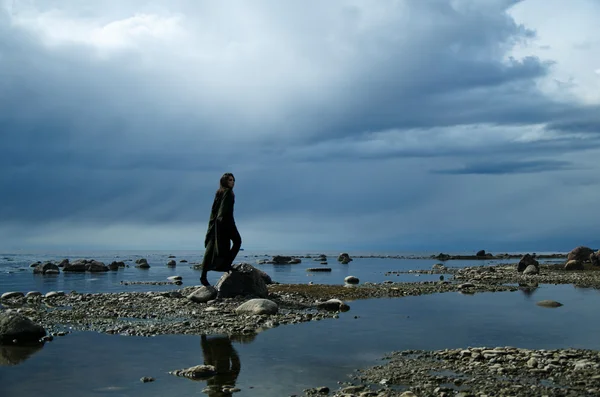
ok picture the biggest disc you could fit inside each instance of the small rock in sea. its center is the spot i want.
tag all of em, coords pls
(174, 278)
(147, 379)
(172, 263)
(197, 372)
(549, 303)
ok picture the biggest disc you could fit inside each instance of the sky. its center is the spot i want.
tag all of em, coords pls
(396, 125)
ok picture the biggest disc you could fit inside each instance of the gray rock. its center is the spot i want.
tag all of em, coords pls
(17, 329)
(142, 263)
(32, 294)
(171, 263)
(78, 266)
(46, 268)
(257, 306)
(243, 280)
(174, 278)
(11, 295)
(549, 303)
(531, 269)
(333, 305)
(203, 294)
(573, 264)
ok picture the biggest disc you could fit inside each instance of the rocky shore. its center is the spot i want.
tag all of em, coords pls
(478, 372)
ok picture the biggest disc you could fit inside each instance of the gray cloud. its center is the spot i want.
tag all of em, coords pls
(329, 117)
(508, 167)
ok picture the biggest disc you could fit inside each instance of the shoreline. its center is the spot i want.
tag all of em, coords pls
(464, 372)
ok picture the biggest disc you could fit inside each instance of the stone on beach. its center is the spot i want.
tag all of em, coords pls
(19, 330)
(12, 295)
(203, 294)
(333, 305)
(531, 269)
(257, 306)
(574, 264)
(53, 294)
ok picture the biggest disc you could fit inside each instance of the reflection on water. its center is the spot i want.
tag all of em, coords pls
(220, 353)
(528, 288)
(13, 355)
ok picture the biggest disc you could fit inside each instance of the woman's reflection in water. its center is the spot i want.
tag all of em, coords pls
(220, 353)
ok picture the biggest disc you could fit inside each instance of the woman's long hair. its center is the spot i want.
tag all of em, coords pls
(223, 183)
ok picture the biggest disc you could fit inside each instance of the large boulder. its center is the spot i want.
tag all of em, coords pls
(344, 258)
(16, 329)
(580, 254)
(46, 268)
(526, 261)
(142, 263)
(243, 280)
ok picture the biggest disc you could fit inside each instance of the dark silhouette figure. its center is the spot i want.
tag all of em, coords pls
(220, 353)
(222, 231)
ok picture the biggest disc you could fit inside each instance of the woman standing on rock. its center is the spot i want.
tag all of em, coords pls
(219, 255)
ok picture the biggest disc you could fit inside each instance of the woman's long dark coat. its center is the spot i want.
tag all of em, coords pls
(220, 229)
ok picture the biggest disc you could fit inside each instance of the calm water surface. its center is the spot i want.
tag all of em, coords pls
(288, 359)
(16, 275)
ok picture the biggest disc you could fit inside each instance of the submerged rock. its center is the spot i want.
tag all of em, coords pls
(549, 303)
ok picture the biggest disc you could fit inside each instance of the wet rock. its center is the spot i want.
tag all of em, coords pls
(147, 379)
(333, 305)
(174, 278)
(580, 254)
(257, 306)
(86, 265)
(351, 280)
(549, 303)
(318, 269)
(574, 264)
(46, 268)
(344, 258)
(19, 330)
(199, 372)
(142, 263)
(33, 294)
(171, 263)
(116, 265)
(203, 294)
(63, 263)
(243, 280)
